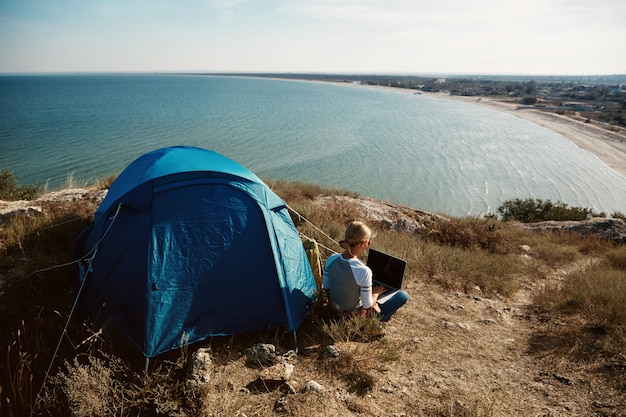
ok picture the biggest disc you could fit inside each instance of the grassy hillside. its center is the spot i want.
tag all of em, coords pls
(502, 321)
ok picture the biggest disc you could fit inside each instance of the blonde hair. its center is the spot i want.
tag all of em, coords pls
(356, 232)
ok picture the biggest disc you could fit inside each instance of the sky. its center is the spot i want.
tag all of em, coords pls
(440, 37)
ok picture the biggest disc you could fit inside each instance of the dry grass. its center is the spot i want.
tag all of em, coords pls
(599, 294)
(502, 321)
(616, 258)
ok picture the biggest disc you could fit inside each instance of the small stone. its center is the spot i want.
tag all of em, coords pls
(262, 354)
(278, 372)
(280, 406)
(563, 379)
(312, 386)
(290, 354)
(331, 351)
(287, 388)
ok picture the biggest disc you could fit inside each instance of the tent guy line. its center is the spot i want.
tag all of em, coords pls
(69, 317)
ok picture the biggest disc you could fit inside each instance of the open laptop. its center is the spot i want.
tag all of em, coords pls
(387, 271)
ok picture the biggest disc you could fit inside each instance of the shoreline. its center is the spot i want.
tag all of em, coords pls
(608, 146)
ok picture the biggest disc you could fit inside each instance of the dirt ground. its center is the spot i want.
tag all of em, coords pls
(443, 354)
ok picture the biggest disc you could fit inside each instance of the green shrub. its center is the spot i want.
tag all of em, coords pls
(533, 210)
(10, 189)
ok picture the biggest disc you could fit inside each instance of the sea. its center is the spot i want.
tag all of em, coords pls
(429, 153)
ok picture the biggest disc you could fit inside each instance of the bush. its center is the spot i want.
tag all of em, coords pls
(619, 215)
(10, 189)
(533, 210)
(471, 233)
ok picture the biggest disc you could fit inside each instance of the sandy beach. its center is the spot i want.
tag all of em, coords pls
(608, 145)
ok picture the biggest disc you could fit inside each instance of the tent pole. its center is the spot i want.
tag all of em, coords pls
(145, 370)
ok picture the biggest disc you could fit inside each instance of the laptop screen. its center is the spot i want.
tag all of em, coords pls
(386, 269)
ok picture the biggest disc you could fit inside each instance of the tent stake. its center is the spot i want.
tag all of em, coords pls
(295, 342)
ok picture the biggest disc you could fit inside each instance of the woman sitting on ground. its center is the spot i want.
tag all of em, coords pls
(350, 281)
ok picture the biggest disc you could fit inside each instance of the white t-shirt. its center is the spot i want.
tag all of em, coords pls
(349, 282)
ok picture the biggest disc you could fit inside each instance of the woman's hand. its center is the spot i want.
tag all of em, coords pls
(366, 311)
(379, 289)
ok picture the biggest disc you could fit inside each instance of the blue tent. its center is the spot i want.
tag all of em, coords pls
(189, 244)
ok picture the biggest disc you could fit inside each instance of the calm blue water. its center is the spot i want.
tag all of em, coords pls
(429, 153)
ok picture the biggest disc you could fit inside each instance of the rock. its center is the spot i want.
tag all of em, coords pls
(563, 379)
(313, 386)
(272, 379)
(289, 355)
(604, 228)
(280, 372)
(200, 367)
(331, 351)
(73, 194)
(388, 216)
(447, 324)
(8, 209)
(451, 325)
(288, 388)
(280, 406)
(261, 355)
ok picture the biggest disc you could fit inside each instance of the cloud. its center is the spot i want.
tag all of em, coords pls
(303, 35)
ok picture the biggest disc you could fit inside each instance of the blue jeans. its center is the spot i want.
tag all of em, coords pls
(389, 307)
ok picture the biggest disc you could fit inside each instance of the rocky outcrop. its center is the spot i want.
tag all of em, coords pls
(33, 208)
(387, 215)
(604, 228)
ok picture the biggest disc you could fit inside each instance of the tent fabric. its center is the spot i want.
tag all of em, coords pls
(189, 244)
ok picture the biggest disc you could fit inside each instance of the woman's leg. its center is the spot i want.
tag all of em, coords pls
(389, 307)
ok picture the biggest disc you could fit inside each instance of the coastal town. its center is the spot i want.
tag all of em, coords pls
(601, 99)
